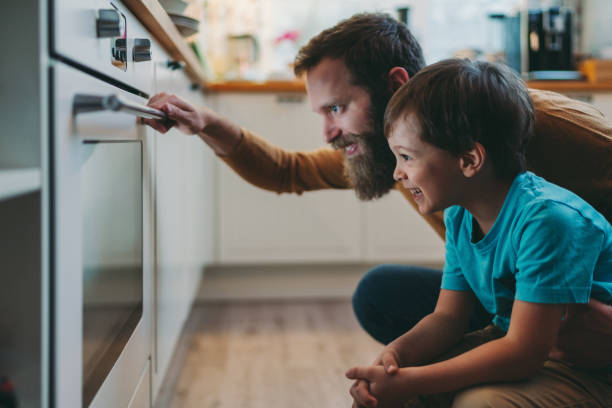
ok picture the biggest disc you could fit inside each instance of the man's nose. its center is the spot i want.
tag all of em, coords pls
(330, 131)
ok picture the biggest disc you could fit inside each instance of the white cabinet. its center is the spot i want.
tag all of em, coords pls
(258, 226)
(395, 232)
(603, 102)
(261, 226)
(184, 169)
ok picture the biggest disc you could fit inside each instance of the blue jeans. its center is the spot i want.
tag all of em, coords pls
(391, 299)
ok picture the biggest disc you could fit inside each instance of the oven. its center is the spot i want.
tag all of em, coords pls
(102, 206)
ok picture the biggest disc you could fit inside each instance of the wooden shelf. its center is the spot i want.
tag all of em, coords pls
(299, 86)
(248, 86)
(152, 15)
(17, 182)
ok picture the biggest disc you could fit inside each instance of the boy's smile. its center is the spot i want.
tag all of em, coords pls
(432, 175)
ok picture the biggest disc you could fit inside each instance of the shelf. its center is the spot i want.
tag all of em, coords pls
(158, 22)
(299, 86)
(18, 182)
(248, 86)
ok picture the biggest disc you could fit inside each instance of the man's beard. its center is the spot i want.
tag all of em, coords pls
(370, 171)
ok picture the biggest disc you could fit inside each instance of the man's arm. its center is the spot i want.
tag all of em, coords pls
(254, 159)
(219, 133)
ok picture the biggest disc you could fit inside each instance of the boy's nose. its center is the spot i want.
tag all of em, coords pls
(398, 174)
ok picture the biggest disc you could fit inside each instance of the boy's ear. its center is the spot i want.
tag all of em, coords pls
(473, 160)
(397, 77)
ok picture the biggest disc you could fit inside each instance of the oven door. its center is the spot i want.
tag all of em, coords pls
(102, 250)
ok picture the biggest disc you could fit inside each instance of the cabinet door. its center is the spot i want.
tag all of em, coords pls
(261, 226)
(603, 102)
(183, 207)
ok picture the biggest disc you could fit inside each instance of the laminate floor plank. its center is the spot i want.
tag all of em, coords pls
(269, 354)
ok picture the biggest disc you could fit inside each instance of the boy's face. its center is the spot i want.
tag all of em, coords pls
(432, 175)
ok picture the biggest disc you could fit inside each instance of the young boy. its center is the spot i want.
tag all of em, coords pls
(525, 248)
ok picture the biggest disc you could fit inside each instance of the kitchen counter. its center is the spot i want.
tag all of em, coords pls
(157, 21)
(298, 86)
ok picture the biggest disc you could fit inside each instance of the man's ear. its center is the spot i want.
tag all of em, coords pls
(473, 160)
(398, 76)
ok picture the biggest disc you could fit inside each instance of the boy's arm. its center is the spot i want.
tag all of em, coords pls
(519, 354)
(433, 335)
(436, 332)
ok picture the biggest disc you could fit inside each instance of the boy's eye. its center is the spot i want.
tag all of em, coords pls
(405, 157)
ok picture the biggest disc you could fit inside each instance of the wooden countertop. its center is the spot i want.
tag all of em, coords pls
(298, 86)
(156, 20)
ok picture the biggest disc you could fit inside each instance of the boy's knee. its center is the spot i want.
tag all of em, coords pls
(484, 397)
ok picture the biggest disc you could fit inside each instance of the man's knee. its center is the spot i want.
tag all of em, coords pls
(373, 281)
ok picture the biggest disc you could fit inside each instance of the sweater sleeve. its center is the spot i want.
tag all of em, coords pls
(272, 168)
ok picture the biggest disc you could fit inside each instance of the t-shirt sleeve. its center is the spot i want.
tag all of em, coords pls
(452, 276)
(557, 249)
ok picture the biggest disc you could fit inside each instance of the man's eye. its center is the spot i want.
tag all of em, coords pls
(334, 108)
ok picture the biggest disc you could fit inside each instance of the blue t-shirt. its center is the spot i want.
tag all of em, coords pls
(547, 245)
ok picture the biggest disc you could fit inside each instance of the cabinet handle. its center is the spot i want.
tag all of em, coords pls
(83, 103)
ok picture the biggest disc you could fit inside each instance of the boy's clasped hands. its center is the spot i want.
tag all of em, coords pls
(381, 384)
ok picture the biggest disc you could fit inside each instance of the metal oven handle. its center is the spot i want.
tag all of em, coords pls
(92, 103)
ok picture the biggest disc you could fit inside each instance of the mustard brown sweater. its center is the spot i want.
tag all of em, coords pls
(571, 147)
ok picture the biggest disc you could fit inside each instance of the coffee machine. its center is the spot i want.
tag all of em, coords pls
(539, 43)
(549, 41)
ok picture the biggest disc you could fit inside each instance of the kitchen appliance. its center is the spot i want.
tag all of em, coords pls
(539, 42)
(549, 42)
(102, 200)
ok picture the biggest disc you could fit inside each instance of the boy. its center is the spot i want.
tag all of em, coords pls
(524, 247)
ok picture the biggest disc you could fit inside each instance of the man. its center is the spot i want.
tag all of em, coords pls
(352, 69)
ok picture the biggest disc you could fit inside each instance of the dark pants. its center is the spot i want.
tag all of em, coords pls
(391, 299)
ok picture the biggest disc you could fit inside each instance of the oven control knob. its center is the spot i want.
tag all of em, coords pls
(108, 23)
(141, 50)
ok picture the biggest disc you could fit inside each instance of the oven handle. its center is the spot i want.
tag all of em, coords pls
(82, 103)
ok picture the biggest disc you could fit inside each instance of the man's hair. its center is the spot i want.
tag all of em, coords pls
(370, 44)
(460, 102)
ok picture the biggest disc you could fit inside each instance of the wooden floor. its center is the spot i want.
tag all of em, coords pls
(267, 354)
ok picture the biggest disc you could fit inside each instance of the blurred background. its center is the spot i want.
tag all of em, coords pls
(258, 39)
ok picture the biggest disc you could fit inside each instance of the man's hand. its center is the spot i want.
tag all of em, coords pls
(585, 337)
(183, 116)
(219, 133)
(360, 390)
(384, 390)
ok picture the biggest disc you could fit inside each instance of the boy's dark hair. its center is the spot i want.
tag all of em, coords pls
(370, 44)
(460, 102)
